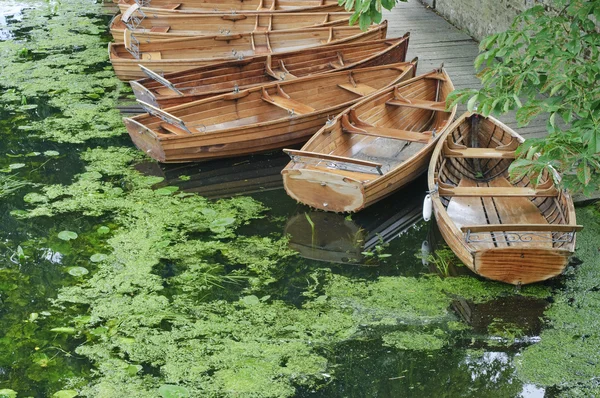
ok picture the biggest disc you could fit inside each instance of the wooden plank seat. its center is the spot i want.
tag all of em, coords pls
(151, 55)
(170, 128)
(284, 101)
(543, 190)
(360, 127)
(521, 228)
(358, 88)
(479, 153)
(342, 159)
(419, 104)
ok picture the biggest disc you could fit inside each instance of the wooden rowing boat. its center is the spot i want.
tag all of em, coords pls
(512, 232)
(147, 30)
(178, 88)
(258, 119)
(169, 7)
(178, 54)
(373, 148)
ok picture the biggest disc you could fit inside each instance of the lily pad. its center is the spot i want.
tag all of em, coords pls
(173, 391)
(65, 394)
(222, 222)
(251, 300)
(98, 257)
(78, 271)
(103, 230)
(51, 153)
(15, 166)
(165, 191)
(67, 235)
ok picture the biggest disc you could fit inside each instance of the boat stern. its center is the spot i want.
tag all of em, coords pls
(325, 191)
(145, 139)
(520, 266)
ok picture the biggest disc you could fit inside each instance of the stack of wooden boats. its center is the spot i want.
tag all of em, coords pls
(226, 78)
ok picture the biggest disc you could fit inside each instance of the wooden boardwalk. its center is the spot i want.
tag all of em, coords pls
(435, 41)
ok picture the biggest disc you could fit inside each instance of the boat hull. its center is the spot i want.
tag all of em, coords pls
(126, 66)
(225, 77)
(516, 234)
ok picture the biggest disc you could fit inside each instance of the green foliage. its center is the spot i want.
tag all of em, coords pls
(547, 63)
(367, 12)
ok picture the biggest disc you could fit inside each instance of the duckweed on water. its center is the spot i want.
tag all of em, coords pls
(58, 60)
(145, 329)
(568, 355)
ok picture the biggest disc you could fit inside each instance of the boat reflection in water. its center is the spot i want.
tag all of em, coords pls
(342, 238)
(224, 178)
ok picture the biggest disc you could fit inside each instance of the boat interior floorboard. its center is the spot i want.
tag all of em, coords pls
(497, 210)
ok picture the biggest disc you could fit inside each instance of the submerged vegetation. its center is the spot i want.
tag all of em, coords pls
(113, 283)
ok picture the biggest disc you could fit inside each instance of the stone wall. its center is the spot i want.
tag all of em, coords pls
(480, 18)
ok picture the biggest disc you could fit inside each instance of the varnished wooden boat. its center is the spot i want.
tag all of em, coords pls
(258, 119)
(169, 7)
(507, 231)
(373, 148)
(178, 88)
(147, 30)
(178, 54)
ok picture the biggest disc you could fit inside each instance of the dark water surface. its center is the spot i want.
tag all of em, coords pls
(386, 240)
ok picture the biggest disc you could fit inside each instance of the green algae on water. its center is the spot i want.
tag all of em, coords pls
(567, 357)
(59, 60)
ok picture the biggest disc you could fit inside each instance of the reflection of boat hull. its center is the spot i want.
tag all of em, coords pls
(228, 177)
(333, 238)
(514, 311)
(339, 239)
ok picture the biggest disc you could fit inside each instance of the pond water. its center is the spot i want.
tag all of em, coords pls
(118, 278)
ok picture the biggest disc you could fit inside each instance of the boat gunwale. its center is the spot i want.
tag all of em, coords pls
(407, 65)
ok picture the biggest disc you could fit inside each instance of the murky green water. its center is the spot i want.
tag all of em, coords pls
(164, 292)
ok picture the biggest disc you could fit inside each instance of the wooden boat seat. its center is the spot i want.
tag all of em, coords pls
(492, 213)
(358, 88)
(479, 153)
(160, 29)
(385, 132)
(172, 129)
(152, 55)
(498, 188)
(522, 228)
(419, 104)
(334, 158)
(284, 101)
(280, 73)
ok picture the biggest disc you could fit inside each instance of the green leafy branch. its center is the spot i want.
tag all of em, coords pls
(548, 64)
(367, 12)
